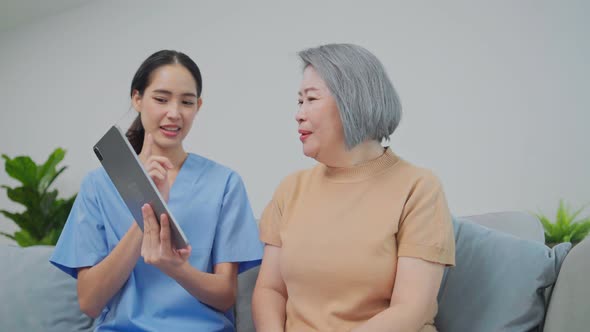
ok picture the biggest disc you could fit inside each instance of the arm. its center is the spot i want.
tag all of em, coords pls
(99, 283)
(270, 294)
(217, 289)
(413, 299)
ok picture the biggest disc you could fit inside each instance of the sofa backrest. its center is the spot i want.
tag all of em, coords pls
(569, 309)
(520, 224)
(36, 296)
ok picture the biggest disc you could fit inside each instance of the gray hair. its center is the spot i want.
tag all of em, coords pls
(368, 104)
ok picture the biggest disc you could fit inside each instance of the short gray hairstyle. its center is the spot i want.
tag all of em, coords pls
(369, 105)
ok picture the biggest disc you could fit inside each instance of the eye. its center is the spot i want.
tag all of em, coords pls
(310, 99)
(160, 99)
(299, 102)
(188, 102)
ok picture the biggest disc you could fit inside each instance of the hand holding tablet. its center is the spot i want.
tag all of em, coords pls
(133, 183)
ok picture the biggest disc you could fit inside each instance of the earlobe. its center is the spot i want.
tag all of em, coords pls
(199, 103)
(136, 101)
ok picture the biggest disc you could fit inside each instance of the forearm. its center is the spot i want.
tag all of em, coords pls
(268, 310)
(216, 290)
(397, 318)
(98, 284)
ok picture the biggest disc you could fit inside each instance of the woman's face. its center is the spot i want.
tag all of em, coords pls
(168, 105)
(320, 126)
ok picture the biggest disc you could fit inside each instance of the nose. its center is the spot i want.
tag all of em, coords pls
(300, 116)
(173, 111)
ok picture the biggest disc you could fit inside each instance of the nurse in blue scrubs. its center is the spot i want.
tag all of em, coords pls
(137, 281)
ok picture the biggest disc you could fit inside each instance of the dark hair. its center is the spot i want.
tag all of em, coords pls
(142, 79)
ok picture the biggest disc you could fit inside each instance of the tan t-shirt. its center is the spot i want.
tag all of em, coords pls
(341, 231)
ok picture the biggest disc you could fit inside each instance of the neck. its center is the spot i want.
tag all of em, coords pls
(362, 153)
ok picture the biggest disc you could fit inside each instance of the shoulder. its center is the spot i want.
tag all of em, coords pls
(213, 171)
(200, 164)
(95, 186)
(94, 179)
(295, 181)
(417, 176)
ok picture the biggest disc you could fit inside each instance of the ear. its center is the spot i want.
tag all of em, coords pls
(136, 100)
(199, 103)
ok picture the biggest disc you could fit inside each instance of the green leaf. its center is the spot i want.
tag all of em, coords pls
(7, 235)
(547, 225)
(12, 216)
(61, 211)
(46, 172)
(24, 239)
(45, 213)
(582, 231)
(23, 169)
(23, 195)
(47, 202)
(565, 228)
(51, 238)
(575, 214)
(22, 220)
(47, 185)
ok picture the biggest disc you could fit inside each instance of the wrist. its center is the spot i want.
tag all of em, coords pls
(134, 230)
(177, 272)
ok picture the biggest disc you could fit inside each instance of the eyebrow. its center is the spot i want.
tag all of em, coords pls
(308, 89)
(186, 94)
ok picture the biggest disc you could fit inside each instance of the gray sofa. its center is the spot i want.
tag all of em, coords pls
(505, 280)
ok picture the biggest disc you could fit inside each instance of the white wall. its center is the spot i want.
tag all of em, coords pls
(494, 94)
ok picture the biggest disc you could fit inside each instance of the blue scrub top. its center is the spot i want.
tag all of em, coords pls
(210, 203)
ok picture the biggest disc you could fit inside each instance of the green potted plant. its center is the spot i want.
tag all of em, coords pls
(565, 228)
(45, 214)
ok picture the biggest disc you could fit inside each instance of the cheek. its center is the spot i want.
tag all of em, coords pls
(189, 118)
(337, 126)
(332, 123)
(150, 109)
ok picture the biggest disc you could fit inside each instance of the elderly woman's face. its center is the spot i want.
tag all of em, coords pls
(320, 126)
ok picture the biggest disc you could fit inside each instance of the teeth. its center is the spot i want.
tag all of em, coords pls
(171, 128)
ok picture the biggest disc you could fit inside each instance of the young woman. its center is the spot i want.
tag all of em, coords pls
(137, 281)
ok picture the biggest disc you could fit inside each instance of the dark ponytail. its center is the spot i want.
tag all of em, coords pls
(136, 133)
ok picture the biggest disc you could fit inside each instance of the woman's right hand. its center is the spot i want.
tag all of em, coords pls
(157, 167)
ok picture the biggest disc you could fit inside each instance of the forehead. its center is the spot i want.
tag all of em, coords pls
(312, 81)
(173, 76)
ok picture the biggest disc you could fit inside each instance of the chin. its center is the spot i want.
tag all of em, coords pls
(310, 152)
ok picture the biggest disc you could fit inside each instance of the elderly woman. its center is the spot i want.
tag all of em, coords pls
(360, 241)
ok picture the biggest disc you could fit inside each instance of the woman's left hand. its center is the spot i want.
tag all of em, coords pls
(157, 248)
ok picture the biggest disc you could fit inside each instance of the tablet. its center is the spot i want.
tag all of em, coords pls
(134, 185)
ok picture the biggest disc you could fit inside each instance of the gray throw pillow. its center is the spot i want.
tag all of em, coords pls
(498, 283)
(35, 295)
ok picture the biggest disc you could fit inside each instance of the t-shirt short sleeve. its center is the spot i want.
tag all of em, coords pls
(272, 216)
(270, 224)
(236, 236)
(83, 240)
(426, 229)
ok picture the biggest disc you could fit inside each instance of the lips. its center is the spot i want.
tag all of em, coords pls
(170, 130)
(304, 134)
